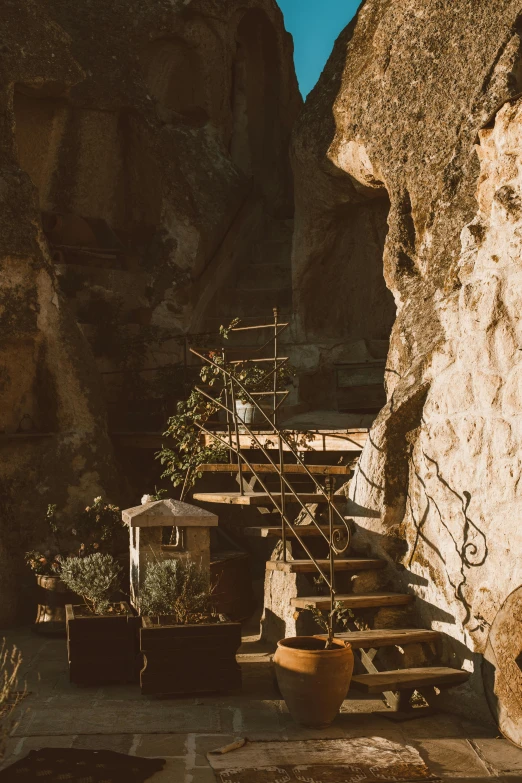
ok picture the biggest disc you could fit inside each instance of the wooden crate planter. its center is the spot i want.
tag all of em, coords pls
(183, 659)
(101, 648)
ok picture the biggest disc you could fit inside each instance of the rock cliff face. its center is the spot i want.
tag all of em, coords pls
(418, 110)
(143, 151)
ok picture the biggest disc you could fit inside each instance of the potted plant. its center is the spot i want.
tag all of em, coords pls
(314, 672)
(95, 528)
(99, 528)
(186, 647)
(46, 564)
(186, 449)
(100, 632)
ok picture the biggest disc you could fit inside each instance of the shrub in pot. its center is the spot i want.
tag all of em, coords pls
(100, 633)
(186, 647)
(95, 528)
(314, 672)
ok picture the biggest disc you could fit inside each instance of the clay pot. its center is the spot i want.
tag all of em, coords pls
(313, 681)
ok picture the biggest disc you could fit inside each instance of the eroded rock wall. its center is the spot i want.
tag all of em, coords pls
(143, 150)
(424, 104)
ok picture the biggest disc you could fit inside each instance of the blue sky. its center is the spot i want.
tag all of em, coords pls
(315, 24)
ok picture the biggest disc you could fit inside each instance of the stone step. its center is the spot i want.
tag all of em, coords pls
(261, 498)
(308, 566)
(315, 470)
(408, 679)
(271, 276)
(387, 637)
(279, 229)
(354, 601)
(304, 531)
(272, 251)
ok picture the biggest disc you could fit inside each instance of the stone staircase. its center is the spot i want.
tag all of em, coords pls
(394, 658)
(263, 282)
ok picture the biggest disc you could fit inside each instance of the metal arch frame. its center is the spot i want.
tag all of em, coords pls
(231, 386)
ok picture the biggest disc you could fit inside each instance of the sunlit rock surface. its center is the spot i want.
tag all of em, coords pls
(418, 109)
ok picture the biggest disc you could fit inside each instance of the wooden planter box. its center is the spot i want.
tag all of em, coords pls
(182, 659)
(101, 648)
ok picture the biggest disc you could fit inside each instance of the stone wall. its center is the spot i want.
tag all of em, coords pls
(422, 109)
(143, 150)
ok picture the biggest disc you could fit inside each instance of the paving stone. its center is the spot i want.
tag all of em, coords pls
(256, 719)
(198, 776)
(25, 744)
(174, 771)
(160, 717)
(452, 758)
(121, 743)
(163, 745)
(201, 761)
(438, 726)
(500, 754)
(474, 730)
(208, 742)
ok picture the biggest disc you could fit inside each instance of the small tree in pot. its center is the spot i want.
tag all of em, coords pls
(100, 632)
(314, 672)
(187, 648)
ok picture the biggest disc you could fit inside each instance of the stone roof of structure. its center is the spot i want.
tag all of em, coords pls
(159, 513)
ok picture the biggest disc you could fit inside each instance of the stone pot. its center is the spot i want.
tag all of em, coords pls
(246, 412)
(52, 595)
(313, 681)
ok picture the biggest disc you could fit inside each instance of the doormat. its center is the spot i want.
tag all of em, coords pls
(361, 760)
(80, 766)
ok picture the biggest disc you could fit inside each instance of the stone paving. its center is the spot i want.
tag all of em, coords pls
(58, 714)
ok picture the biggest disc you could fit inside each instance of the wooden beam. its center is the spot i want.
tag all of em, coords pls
(408, 679)
(304, 531)
(387, 637)
(261, 498)
(308, 566)
(318, 440)
(316, 470)
(353, 601)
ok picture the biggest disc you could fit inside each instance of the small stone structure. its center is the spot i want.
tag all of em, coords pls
(146, 524)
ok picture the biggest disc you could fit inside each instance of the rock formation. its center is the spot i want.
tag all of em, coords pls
(418, 109)
(143, 152)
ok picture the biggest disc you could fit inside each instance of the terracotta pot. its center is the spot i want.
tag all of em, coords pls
(313, 681)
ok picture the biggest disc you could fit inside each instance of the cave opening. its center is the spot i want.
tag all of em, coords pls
(347, 311)
(256, 145)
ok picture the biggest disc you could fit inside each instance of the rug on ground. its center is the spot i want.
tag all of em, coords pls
(80, 766)
(360, 760)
